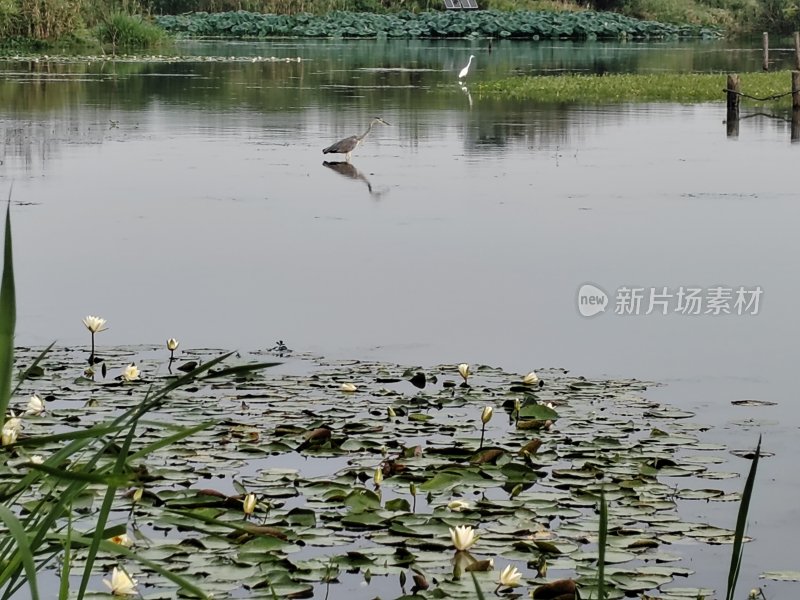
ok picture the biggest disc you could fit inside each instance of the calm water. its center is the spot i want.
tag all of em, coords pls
(191, 200)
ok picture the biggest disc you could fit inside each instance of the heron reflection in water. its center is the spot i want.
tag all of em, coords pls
(348, 144)
(348, 170)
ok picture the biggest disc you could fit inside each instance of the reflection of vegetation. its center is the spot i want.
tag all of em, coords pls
(668, 87)
(483, 23)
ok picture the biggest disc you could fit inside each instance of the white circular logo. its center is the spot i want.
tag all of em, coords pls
(591, 300)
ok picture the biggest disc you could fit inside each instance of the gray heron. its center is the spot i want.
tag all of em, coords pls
(348, 144)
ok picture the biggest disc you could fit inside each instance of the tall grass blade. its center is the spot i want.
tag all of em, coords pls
(63, 588)
(105, 509)
(601, 547)
(171, 439)
(23, 550)
(26, 373)
(8, 318)
(741, 523)
(478, 591)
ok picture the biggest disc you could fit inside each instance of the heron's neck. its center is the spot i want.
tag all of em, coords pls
(366, 133)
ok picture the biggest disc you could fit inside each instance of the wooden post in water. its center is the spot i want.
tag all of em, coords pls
(796, 105)
(732, 120)
(797, 50)
(795, 90)
(766, 52)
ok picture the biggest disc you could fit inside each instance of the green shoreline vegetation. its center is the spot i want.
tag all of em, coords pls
(657, 87)
(48, 24)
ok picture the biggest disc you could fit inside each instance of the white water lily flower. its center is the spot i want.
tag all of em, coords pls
(35, 406)
(463, 370)
(121, 583)
(249, 504)
(172, 344)
(458, 505)
(8, 435)
(122, 540)
(510, 577)
(531, 379)
(463, 537)
(486, 415)
(348, 387)
(14, 423)
(130, 373)
(95, 324)
(36, 459)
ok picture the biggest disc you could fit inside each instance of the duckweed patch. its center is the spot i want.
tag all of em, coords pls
(399, 451)
(656, 87)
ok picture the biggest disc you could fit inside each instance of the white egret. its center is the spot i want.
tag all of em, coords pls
(465, 70)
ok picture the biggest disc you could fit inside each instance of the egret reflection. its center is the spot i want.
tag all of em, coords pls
(466, 91)
(349, 170)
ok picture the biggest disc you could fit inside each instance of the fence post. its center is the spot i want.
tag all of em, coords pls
(797, 50)
(732, 120)
(795, 90)
(766, 51)
(796, 105)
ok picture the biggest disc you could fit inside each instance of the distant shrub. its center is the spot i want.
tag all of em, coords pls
(122, 30)
(47, 20)
(8, 12)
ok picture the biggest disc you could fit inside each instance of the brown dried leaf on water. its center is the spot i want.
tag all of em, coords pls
(481, 565)
(392, 467)
(413, 452)
(315, 437)
(420, 582)
(561, 589)
(188, 366)
(265, 530)
(486, 456)
(534, 424)
(531, 447)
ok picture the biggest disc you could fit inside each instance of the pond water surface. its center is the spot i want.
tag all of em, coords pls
(190, 199)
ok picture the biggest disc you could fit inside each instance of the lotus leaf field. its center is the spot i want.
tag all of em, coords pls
(356, 468)
(523, 25)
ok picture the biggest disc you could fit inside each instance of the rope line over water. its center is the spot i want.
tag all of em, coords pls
(773, 97)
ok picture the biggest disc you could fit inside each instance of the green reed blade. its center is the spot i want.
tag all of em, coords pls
(741, 523)
(8, 317)
(23, 553)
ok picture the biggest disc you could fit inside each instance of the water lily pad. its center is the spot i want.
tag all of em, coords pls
(781, 575)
